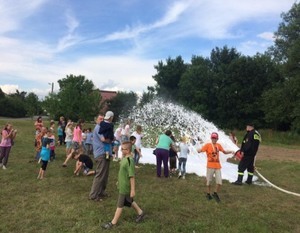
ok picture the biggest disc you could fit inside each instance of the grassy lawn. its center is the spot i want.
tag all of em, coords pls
(59, 203)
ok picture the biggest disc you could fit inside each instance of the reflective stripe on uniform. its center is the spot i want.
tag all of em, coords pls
(257, 136)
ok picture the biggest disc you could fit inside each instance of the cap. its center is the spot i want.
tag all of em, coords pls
(214, 136)
(108, 115)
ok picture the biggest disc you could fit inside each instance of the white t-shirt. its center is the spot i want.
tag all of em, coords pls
(184, 150)
(118, 134)
(69, 135)
(125, 130)
(138, 142)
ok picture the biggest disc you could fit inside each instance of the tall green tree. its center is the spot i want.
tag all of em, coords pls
(12, 107)
(77, 98)
(239, 95)
(2, 94)
(168, 77)
(195, 87)
(32, 105)
(286, 52)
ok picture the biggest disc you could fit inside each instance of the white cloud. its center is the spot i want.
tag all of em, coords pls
(215, 19)
(70, 38)
(12, 13)
(114, 72)
(8, 89)
(130, 32)
(252, 47)
(267, 36)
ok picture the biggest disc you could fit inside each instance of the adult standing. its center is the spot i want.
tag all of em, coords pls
(164, 143)
(8, 135)
(98, 190)
(249, 149)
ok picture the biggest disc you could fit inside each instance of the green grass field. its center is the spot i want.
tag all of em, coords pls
(59, 203)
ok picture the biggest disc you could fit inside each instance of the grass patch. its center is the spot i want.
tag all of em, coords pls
(59, 203)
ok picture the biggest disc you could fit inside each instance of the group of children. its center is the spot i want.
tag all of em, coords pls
(45, 154)
(45, 142)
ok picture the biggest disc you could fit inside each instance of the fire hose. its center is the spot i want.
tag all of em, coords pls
(274, 186)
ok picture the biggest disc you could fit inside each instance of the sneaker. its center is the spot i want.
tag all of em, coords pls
(64, 165)
(216, 197)
(179, 176)
(108, 225)
(237, 183)
(183, 177)
(140, 217)
(208, 196)
(3, 167)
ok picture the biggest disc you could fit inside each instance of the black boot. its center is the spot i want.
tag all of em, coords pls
(239, 181)
(249, 179)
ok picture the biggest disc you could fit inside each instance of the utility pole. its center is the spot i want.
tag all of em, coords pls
(52, 87)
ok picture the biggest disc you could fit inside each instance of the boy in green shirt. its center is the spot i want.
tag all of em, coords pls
(126, 185)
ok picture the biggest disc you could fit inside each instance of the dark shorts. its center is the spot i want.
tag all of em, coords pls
(75, 146)
(172, 162)
(124, 200)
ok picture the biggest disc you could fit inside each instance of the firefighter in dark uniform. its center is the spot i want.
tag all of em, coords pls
(249, 148)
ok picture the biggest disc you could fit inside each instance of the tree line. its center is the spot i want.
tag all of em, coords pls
(227, 88)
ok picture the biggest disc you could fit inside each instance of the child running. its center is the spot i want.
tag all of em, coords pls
(126, 185)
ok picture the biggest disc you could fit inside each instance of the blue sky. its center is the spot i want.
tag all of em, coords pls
(116, 43)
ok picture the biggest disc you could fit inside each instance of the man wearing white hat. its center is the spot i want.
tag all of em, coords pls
(99, 185)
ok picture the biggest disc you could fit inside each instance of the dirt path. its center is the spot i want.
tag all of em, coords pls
(278, 153)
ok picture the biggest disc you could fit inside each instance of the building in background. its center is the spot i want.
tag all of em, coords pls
(106, 96)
